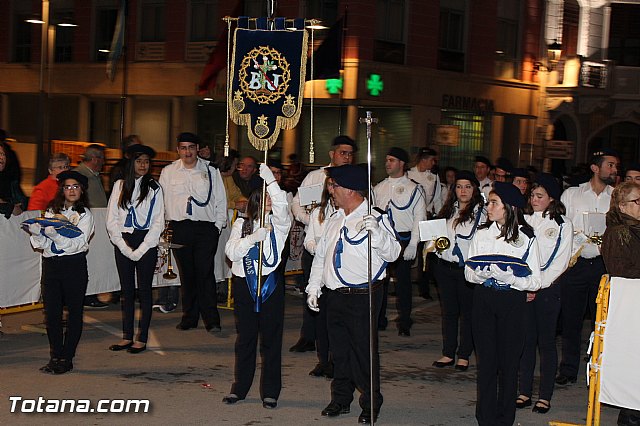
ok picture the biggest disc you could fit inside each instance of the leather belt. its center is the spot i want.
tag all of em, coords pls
(358, 290)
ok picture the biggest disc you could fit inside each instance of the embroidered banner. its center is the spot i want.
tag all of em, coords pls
(267, 74)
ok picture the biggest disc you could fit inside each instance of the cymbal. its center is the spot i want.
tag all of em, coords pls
(166, 245)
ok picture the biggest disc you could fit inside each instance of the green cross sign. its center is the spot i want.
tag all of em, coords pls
(333, 85)
(375, 84)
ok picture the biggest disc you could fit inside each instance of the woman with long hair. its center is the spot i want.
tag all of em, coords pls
(464, 212)
(64, 268)
(499, 302)
(135, 220)
(12, 199)
(259, 314)
(554, 232)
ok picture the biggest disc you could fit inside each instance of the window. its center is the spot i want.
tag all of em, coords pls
(205, 24)
(475, 138)
(624, 41)
(152, 22)
(507, 40)
(22, 46)
(389, 45)
(105, 26)
(325, 10)
(451, 40)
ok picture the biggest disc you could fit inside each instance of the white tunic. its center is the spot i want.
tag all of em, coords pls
(432, 188)
(547, 232)
(464, 229)
(315, 228)
(79, 244)
(314, 177)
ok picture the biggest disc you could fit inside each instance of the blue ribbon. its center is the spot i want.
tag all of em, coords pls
(555, 250)
(337, 258)
(198, 203)
(493, 283)
(401, 208)
(132, 219)
(269, 285)
(456, 250)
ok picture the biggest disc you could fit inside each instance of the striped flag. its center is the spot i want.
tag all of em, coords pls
(117, 43)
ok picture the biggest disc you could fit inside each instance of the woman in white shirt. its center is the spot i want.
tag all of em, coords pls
(464, 212)
(135, 220)
(554, 233)
(259, 314)
(499, 302)
(64, 268)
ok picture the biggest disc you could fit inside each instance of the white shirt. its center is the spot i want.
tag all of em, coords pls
(116, 216)
(547, 232)
(432, 188)
(354, 268)
(579, 200)
(463, 229)
(237, 247)
(314, 177)
(180, 183)
(486, 185)
(79, 244)
(315, 229)
(486, 242)
(400, 190)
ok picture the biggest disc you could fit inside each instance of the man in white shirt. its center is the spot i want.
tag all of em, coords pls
(196, 206)
(404, 201)
(580, 282)
(341, 266)
(481, 167)
(342, 151)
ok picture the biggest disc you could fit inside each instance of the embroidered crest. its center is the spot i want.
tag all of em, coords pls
(399, 190)
(519, 242)
(431, 177)
(551, 233)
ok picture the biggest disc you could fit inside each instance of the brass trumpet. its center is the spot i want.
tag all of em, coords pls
(167, 235)
(441, 244)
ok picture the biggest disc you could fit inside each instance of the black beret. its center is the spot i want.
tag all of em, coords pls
(504, 164)
(634, 167)
(520, 172)
(188, 137)
(481, 159)
(427, 152)
(509, 194)
(276, 164)
(345, 140)
(349, 176)
(550, 184)
(399, 153)
(467, 175)
(72, 174)
(595, 156)
(139, 148)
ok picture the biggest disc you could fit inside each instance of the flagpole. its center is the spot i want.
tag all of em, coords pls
(123, 94)
(345, 27)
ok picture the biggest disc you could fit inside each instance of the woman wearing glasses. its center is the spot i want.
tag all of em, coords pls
(45, 191)
(64, 269)
(135, 220)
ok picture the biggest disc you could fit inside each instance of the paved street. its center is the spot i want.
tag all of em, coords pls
(186, 374)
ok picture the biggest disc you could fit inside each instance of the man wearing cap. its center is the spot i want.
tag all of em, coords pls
(341, 266)
(404, 201)
(196, 206)
(343, 148)
(502, 170)
(580, 282)
(481, 168)
(633, 173)
(426, 160)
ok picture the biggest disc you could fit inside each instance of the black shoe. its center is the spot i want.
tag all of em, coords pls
(96, 304)
(303, 345)
(563, 380)
(182, 326)
(404, 332)
(48, 369)
(462, 367)
(63, 366)
(335, 409)
(269, 403)
(328, 370)
(440, 364)
(216, 329)
(365, 417)
(426, 296)
(117, 348)
(318, 370)
(521, 402)
(541, 407)
(133, 350)
(232, 398)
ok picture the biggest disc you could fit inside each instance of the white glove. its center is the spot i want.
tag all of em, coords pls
(137, 254)
(370, 223)
(258, 235)
(410, 251)
(267, 174)
(506, 277)
(34, 229)
(51, 232)
(312, 300)
(483, 273)
(311, 246)
(126, 250)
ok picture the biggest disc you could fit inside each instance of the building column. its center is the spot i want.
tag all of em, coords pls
(84, 123)
(352, 121)
(130, 113)
(176, 122)
(288, 144)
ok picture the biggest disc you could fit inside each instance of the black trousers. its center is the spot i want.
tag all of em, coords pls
(579, 289)
(498, 334)
(456, 297)
(127, 271)
(314, 324)
(195, 264)
(402, 271)
(541, 321)
(65, 283)
(348, 325)
(267, 324)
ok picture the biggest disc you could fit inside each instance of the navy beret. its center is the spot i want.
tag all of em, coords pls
(139, 148)
(509, 194)
(345, 140)
(427, 152)
(349, 176)
(276, 164)
(550, 184)
(188, 137)
(635, 167)
(72, 174)
(467, 175)
(399, 153)
(504, 164)
(482, 159)
(519, 172)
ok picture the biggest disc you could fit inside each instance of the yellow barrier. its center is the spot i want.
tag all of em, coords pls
(21, 308)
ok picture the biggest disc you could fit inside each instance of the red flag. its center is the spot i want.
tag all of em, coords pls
(218, 57)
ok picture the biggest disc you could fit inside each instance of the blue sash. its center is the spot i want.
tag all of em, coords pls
(132, 219)
(251, 276)
(337, 258)
(401, 208)
(456, 250)
(555, 250)
(198, 203)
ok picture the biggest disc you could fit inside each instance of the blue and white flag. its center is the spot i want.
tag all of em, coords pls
(117, 43)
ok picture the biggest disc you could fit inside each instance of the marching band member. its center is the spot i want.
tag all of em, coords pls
(554, 233)
(259, 314)
(404, 201)
(464, 212)
(498, 304)
(64, 268)
(341, 265)
(135, 220)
